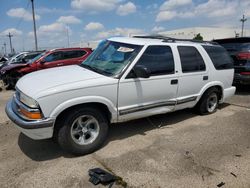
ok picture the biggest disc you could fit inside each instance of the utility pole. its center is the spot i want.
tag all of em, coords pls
(243, 20)
(4, 44)
(34, 23)
(67, 32)
(9, 35)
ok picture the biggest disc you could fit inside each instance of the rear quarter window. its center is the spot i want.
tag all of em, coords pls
(219, 56)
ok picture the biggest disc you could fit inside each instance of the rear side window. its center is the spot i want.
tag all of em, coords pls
(219, 57)
(73, 54)
(81, 53)
(158, 59)
(191, 60)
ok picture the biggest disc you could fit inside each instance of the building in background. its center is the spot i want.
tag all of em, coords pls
(208, 33)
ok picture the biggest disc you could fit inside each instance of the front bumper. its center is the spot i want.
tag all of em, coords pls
(35, 129)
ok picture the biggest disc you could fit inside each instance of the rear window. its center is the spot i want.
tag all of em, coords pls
(236, 46)
(219, 57)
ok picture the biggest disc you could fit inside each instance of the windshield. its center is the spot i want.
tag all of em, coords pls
(110, 57)
(14, 58)
(36, 58)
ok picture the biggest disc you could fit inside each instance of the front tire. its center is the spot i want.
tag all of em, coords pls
(209, 102)
(12, 80)
(83, 131)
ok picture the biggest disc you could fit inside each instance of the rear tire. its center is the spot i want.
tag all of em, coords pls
(209, 102)
(83, 131)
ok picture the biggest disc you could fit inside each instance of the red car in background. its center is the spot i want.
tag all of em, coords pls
(49, 59)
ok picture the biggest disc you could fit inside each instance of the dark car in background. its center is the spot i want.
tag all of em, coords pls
(239, 50)
(3, 60)
(21, 58)
(49, 59)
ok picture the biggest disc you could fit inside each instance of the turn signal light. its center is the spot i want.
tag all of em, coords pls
(31, 115)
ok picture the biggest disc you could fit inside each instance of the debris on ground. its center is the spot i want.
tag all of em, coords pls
(221, 184)
(233, 174)
(98, 175)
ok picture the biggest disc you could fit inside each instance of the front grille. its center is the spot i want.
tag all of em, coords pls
(16, 107)
(17, 95)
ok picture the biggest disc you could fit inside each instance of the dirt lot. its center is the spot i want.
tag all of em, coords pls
(180, 149)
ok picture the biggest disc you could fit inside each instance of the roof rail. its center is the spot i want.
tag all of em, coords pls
(170, 39)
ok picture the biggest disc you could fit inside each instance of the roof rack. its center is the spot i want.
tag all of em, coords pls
(170, 39)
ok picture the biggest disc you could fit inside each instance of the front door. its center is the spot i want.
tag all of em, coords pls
(140, 97)
(55, 59)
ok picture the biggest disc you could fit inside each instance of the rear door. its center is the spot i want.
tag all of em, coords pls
(193, 77)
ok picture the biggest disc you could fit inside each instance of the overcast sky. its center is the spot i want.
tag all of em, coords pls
(91, 20)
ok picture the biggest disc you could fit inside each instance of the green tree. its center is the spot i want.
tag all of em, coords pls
(198, 37)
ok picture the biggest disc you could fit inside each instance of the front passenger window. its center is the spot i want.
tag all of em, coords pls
(158, 59)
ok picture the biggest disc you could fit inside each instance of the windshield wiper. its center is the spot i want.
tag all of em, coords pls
(95, 69)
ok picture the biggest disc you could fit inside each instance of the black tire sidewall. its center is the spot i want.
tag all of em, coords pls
(67, 143)
(203, 102)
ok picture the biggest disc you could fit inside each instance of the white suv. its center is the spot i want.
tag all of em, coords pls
(123, 79)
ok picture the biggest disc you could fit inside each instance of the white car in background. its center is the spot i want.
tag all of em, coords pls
(122, 80)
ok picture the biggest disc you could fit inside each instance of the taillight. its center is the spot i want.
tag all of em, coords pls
(245, 73)
(243, 55)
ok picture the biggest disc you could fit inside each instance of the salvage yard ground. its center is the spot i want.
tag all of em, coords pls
(179, 149)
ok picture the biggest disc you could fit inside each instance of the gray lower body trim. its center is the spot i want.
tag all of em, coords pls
(185, 100)
(146, 107)
(156, 105)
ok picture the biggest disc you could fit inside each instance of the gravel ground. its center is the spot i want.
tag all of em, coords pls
(179, 149)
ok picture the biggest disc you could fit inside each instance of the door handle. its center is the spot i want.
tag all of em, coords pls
(174, 82)
(59, 64)
(205, 77)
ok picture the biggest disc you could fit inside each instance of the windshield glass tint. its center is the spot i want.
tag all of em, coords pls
(110, 57)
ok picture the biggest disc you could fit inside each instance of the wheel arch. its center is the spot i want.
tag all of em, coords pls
(100, 106)
(218, 85)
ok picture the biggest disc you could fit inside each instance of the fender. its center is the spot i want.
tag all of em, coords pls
(86, 99)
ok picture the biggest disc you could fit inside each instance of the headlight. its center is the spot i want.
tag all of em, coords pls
(28, 101)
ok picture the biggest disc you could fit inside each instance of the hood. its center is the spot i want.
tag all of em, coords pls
(8, 67)
(54, 80)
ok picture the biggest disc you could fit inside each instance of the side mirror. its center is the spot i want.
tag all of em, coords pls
(42, 61)
(141, 71)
